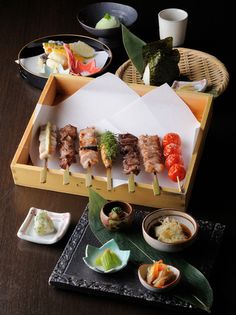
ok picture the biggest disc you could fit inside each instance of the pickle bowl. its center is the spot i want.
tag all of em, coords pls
(142, 274)
(114, 221)
(188, 224)
(92, 253)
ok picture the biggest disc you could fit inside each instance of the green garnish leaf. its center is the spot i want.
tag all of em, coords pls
(117, 209)
(134, 48)
(109, 140)
(107, 16)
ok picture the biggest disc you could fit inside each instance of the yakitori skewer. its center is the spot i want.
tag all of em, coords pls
(153, 159)
(67, 145)
(109, 148)
(128, 144)
(173, 158)
(88, 151)
(47, 147)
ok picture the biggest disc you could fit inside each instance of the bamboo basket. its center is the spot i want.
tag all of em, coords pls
(194, 64)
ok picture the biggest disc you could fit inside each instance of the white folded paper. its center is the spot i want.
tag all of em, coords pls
(107, 103)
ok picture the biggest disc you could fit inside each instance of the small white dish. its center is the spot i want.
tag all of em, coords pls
(61, 222)
(199, 86)
(142, 274)
(92, 252)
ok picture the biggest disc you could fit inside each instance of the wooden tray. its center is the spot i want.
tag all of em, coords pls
(59, 87)
(71, 272)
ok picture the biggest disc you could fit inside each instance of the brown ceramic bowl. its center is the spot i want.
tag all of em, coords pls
(116, 215)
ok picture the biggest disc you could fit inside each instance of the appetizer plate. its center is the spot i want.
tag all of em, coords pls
(61, 222)
(29, 55)
(92, 252)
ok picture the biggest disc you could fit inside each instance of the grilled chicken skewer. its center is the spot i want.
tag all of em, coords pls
(68, 136)
(88, 151)
(108, 147)
(153, 159)
(131, 157)
(47, 147)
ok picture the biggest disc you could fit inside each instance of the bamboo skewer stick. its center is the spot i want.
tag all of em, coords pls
(88, 177)
(66, 176)
(179, 185)
(43, 173)
(109, 179)
(131, 183)
(155, 185)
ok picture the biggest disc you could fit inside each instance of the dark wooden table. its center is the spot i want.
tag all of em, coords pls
(25, 267)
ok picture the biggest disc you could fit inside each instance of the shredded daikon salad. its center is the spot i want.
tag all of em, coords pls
(170, 231)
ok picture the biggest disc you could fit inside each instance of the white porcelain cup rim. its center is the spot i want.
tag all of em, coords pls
(173, 15)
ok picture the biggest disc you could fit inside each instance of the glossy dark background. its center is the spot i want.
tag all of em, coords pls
(25, 267)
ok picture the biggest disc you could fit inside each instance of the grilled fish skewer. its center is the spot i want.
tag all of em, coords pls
(47, 147)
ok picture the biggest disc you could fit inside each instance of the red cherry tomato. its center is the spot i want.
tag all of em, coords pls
(177, 170)
(173, 159)
(171, 148)
(171, 138)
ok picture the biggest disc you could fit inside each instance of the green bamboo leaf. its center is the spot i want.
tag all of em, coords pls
(194, 289)
(134, 48)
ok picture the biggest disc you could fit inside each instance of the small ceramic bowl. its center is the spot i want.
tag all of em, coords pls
(91, 14)
(114, 224)
(188, 223)
(142, 274)
(91, 253)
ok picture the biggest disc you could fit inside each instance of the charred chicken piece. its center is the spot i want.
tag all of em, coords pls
(88, 147)
(128, 144)
(68, 136)
(152, 153)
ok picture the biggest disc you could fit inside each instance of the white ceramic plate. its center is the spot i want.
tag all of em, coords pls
(60, 220)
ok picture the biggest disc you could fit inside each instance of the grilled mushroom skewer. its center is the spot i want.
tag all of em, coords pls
(88, 151)
(153, 159)
(108, 147)
(131, 157)
(47, 147)
(68, 136)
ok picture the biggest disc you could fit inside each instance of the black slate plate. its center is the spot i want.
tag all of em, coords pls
(71, 272)
(35, 48)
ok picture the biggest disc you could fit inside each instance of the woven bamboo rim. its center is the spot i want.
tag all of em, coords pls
(194, 64)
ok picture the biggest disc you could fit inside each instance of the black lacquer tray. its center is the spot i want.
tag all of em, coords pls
(71, 272)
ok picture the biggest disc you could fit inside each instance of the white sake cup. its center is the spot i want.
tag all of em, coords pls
(173, 22)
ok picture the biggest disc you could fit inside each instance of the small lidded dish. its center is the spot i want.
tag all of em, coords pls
(116, 215)
(169, 230)
(158, 277)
